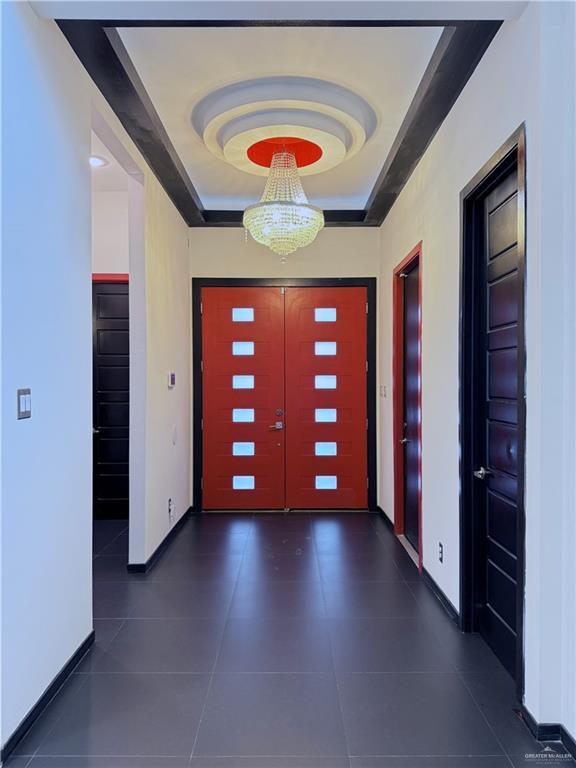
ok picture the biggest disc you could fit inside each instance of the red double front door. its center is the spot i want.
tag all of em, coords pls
(284, 398)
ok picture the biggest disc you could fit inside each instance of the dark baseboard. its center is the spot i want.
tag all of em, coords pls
(427, 579)
(548, 731)
(162, 547)
(45, 699)
(385, 518)
(439, 594)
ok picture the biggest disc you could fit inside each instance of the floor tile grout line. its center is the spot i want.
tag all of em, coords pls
(336, 682)
(109, 544)
(219, 649)
(51, 729)
(479, 708)
(433, 632)
(380, 538)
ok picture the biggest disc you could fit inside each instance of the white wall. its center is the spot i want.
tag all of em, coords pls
(168, 348)
(47, 345)
(346, 252)
(110, 248)
(526, 75)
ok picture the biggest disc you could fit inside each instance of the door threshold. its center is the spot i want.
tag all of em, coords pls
(409, 548)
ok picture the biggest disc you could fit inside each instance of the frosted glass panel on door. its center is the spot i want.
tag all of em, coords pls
(325, 449)
(325, 414)
(326, 483)
(243, 482)
(243, 314)
(242, 382)
(325, 314)
(242, 348)
(322, 348)
(243, 449)
(243, 414)
(324, 382)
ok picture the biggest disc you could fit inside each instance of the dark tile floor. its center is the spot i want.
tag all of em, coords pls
(273, 641)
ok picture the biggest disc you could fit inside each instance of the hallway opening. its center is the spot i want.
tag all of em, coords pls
(333, 484)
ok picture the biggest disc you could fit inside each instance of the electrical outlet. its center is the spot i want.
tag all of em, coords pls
(440, 551)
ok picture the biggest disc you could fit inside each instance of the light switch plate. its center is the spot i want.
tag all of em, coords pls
(24, 403)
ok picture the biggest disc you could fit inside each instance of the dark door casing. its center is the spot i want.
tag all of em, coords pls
(110, 399)
(411, 384)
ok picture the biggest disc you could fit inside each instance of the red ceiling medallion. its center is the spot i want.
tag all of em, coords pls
(305, 152)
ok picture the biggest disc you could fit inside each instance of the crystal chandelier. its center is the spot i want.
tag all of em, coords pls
(283, 220)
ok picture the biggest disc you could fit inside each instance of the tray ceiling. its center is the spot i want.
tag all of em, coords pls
(181, 66)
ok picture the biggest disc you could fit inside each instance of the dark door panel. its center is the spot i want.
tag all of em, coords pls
(411, 336)
(499, 286)
(111, 379)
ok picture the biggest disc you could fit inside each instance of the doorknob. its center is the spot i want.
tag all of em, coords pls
(482, 473)
(276, 425)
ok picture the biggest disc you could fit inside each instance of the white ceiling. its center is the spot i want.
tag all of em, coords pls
(280, 9)
(107, 178)
(179, 66)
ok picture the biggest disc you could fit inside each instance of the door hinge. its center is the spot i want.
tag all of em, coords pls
(366, 307)
(367, 482)
(366, 366)
(282, 291)
(202, 366)
(366, 423)
(201, 483)
(201, 425)
(200, 307)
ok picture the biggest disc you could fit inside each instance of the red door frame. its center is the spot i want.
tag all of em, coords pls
(413, 258)
(104, 277)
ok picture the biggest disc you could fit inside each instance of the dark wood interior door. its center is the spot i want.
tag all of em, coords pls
(497, 459)
(111, 391)
(411, 400)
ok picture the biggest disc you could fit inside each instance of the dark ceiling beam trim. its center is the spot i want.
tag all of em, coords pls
(333, 218)
(455, 58)
(219, 23)
(106, 60)
(460, 47)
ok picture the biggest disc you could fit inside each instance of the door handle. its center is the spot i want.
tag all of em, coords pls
(482, 473)
(277, 425)
(95, 431)
(404, 441)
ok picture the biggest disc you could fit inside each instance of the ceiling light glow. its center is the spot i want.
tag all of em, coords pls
(97, 162)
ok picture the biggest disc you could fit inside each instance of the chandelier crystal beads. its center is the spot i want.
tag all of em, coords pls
(283, 220)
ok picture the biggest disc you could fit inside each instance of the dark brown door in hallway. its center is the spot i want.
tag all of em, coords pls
(110, 398)
(496, 471)
(411, 384)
